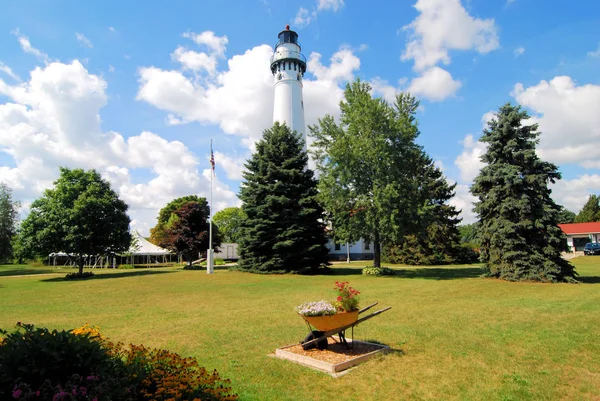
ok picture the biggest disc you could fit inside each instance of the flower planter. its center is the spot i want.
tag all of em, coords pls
(331, 322)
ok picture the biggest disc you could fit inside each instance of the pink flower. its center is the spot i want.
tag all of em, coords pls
(16, 393)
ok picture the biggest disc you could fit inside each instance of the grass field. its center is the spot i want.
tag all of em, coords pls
(456, 335)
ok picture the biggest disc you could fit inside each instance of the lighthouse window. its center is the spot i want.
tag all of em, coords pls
(279, 76)
(294, 66)
(302, 104)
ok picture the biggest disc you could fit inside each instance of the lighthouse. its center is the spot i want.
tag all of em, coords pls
(288, 66)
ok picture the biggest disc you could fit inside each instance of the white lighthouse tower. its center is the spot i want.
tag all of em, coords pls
(288, 66)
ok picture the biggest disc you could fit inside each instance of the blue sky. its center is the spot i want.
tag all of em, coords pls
(137, 91)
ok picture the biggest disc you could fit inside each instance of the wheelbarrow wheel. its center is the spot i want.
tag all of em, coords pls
(321, 344)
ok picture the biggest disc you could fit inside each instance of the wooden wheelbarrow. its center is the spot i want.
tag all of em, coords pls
(329, 325)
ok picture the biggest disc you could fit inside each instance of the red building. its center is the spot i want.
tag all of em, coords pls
(579, 234)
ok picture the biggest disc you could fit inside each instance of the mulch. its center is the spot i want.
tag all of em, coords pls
(335, 352)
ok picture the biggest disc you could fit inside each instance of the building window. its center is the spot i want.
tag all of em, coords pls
(367, 246)
(337, 247)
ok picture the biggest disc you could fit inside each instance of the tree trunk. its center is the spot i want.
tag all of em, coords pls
(80, 263)
(376, 251)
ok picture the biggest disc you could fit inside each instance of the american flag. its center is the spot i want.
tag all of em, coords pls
(212, 158)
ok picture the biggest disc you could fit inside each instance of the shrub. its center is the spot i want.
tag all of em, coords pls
(377, 271)
(36, 360)
(194, 267)
(468, 253)
(127, 266)
(79, 276)
(38, 364)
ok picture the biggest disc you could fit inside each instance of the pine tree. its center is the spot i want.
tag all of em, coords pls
(436, 238)
(590, 211)
(518, 231)
(283, 231)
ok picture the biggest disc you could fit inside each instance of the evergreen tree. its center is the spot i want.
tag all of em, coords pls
(283, 231)
(566, 216)
(436, 239)
(590, 211)
(518, 232)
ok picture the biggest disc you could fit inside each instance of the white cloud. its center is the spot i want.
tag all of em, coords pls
(568, 119)
(303, 17)
(382, 88)
(435, 84)
(330, 5)
(215, 44)
(8, 71)
(445, 25)
(343, 64)
(83, 40)
(111, 68)
(463, 200)
(54, 119)
(240, 99)
(469, 161)
(487, 117)
(573, 194)
(195, 61)
(201, 61)
(233, 166)
(595, 53)
(28, 48)
(112, 29)
(519, 51)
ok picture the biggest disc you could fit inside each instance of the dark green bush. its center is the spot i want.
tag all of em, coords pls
(38, 359)
(39, 364)
(78, 276)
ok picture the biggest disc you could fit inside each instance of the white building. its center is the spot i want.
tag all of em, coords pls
(360, 250)
(288, 66)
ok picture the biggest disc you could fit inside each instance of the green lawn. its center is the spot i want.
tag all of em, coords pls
(457, 336)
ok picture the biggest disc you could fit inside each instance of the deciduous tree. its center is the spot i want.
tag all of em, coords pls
(365, 167)
(188, 230)
(81, 215)
(518, 232)
(9, 214)
(283, 231)
(229, 221)
(158, 234)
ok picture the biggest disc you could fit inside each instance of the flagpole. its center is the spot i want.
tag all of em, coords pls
(210, 255)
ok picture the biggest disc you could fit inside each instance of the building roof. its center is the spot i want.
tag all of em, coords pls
(581, 228)
(145, 247)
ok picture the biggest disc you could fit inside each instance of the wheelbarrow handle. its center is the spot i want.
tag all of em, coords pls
(366, 308)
